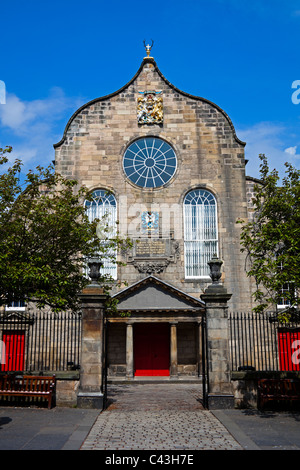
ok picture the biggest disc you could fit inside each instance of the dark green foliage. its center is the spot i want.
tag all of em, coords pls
(45, 238)
(272, 239)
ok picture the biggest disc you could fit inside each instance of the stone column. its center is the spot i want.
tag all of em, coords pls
(129, 350)
(173, 351)
(220, 391)
(90, 393)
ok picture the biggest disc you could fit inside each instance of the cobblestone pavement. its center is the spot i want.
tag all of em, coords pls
(160, 417)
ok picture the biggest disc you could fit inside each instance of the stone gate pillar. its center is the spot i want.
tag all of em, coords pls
(220, 392)
(90, 394)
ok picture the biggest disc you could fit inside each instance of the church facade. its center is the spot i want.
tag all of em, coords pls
(169, 167)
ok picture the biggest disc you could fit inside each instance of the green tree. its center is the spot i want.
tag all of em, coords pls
(271, 239)
(46, 238)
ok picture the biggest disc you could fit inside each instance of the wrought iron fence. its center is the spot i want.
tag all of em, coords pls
(260, 342)
(40, 341)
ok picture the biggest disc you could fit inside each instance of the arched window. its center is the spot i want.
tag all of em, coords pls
(104, 203)
(200, 232)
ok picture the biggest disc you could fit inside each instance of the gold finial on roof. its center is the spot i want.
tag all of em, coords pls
(148, 48)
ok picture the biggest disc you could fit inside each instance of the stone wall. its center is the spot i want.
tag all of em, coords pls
(187, 342)
(245, 385)
(116, 352)
(250, 184)
(66, 392)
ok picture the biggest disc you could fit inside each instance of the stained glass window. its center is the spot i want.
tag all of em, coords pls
(149, 162)
(200, 232)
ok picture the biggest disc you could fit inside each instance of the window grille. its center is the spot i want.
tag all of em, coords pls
(104, 203)
(287, 290)
(200, 232)
(16, 305)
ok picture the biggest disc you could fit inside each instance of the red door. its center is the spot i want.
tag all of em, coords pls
(14, 350)
(289, 349)
(152, 349)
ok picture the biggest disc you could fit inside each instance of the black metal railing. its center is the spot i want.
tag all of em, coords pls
(261, 342)
(40, 341)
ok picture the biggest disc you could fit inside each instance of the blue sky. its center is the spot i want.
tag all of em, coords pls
(241, 54)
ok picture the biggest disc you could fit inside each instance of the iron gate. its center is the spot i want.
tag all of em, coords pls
(205, 377)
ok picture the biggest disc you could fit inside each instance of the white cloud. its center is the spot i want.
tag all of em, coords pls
(32, 127)
(13, 113)
(292, 151)
(271, 139)
(20, 115)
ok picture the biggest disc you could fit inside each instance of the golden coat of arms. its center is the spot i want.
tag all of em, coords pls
(150, 107)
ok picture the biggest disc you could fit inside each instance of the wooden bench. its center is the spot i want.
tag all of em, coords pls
(278, 390)
(28, 386)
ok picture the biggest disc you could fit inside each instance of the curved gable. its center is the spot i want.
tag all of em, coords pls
(173, 87)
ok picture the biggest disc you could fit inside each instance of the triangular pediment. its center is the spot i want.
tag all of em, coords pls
(152, 293)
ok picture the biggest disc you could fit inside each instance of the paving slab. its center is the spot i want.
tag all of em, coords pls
(264, 430)
(43, 429)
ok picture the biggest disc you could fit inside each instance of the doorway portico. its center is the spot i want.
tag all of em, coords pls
(155, 333)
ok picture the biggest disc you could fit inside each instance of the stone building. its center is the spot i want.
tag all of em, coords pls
(170, 168)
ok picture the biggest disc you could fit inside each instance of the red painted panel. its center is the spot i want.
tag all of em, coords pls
(289, 349)
(152, 349)
(14, 350)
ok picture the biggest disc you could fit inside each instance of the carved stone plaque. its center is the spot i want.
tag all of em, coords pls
(146, 247)
(153, 255)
